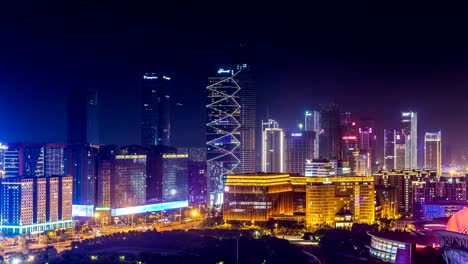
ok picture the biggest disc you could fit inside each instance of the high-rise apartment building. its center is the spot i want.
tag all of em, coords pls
(329, 132)
(155, 114)
(433, 152)
(273, 149)
(389, 149)
(409, 121)
(349, 150)
(367, 143)
(400, 151)
(312, 123)
(299, 149)
(223, 135)
(83, 117)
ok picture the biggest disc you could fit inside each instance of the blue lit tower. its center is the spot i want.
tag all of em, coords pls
(223, 131)
(155, 122)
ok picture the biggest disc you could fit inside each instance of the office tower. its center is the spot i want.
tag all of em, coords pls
(362, 166)
(197, 182)
(128, 187)
(223, 131)
(329, 132)
(326, 168)
(368, 143)
(400, 150)
(155, 121)
(257, 197)
(246, 80)
(328, 198)
(106, 168)
(197, 154)
(32, 160)
(312, 123)
(83, 117)
(389, 149)
(433, 152)
(34, 204)
(299, 149)
(54, 159)
(349, 150)
(81, 164)
(175, 177)
(273, 151)
(410, 132)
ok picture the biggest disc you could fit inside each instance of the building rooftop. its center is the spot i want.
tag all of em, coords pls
(420, 238)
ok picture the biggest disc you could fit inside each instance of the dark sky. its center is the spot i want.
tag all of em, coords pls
(373, 60)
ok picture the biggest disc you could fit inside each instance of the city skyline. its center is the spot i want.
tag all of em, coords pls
(354, 75)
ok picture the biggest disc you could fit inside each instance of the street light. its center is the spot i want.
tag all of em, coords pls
(194, 214)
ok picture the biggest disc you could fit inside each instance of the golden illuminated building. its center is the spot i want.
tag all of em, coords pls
(328, 197)
(257, 197)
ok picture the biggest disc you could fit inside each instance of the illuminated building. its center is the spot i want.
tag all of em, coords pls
(329, 147)
(175, 177)
(155, 121)
(409, 121)
(223, 135)
(299, 149)
(395, 191)
(438, 190)
(433, 152)
(81, 164)
(128, 186)
(197, 183)
(326, 168)
(106, 168)
(327, 196)
(54, 160)
(400, 151)
(312, 123)
(363, 167)
(35, 204)
(349, 150)
(197, 154)
(83, 117)
(367, 143)
(389, 149)
(257, 197)
(157, 207)
(399, 247)
(272, 147)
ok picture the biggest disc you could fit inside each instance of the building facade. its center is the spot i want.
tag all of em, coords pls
(128, 186)
(312, 123)
(433, 152)
(299, 149)
(273, 149)
(155, 114)
(409, 121)
(329, 132)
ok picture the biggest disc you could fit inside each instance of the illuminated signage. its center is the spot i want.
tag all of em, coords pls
(3, 146)
(130, 156)
(150, 77)
(405, 114)
(296, 134)
(224, 71)
(307, 113)
(175, 156)
(82, 210)
(148, 208)
(166, 78)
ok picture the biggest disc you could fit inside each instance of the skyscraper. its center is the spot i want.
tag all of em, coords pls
(245, 77)
(409, 121)
(368, 143)
(83, 117)
(389, 149)
(155, 122)
(433, 152)
(223, 135)
(273, 152)
(400, 150)
(312, 123)
(329, 131)
(299, 149)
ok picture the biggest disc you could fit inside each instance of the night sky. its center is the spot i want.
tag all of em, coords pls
(373, 60)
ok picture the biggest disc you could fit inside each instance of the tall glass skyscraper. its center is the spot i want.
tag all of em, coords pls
(433, 152)
(409, 121)
(273, 149)
(312, 123)
(223, 135)
(329, 131)
(389, 149)
(155, 121)
(83, 117)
